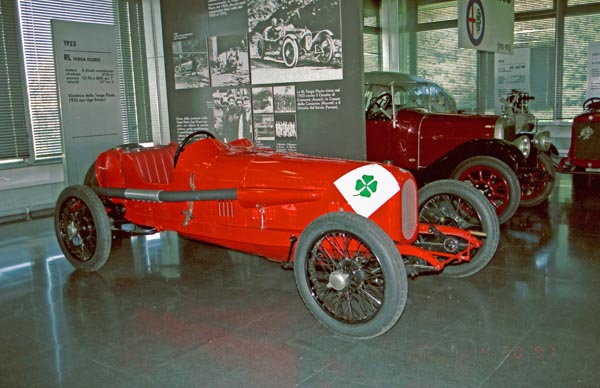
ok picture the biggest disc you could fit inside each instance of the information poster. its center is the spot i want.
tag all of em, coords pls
(88, 86)
(274, 72)
(511, 72)
(486, 25)
(593, 70)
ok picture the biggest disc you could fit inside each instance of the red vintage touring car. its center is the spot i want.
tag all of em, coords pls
(349, 229)
(415, 124)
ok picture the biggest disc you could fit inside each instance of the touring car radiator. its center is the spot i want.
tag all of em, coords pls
(165, 195)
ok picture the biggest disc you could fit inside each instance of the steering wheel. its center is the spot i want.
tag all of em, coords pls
(378, 105)
(592, 103)
(186, 140)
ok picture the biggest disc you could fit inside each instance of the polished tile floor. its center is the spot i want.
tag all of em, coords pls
(168, 312)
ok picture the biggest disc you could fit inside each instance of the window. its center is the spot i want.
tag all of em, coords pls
(42, 107)
(539, 37)
(540, 26)
(14, 140)
(371, 36)
(579, 32)
(440, 60)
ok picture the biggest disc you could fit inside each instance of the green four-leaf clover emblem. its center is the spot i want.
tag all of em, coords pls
(366, 186)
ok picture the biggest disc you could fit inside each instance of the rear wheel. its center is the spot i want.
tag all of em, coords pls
(457, 204)
(350, 275)
(496, 180)
(326, 50)
(260, 48)
(82, 228)
(539, 184)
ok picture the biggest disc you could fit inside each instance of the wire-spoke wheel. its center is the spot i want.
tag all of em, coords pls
(82, 228)
(496, 180)
(457, 204)
(350, 275)
(538, 184)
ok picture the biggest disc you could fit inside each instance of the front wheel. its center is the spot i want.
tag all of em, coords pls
(539, 184)
(82, 228)
(350, 275)
(496, 180)
(457, 204)
(289, 52)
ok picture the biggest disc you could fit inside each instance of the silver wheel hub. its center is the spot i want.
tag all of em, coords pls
(71, 230)
(338, 280)
(451, 245)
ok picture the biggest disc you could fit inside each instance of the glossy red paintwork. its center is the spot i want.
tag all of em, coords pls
(421, 137)
(278, 194)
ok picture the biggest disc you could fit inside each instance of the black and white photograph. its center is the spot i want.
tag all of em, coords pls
(262, 100)
(294, 41)
(264, 127)
(284, 98)
(190, 60)
(232, 114)
(229, 60)
(285, 127)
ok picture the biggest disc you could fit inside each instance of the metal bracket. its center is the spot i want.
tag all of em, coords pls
(261, 210)
(189, 213)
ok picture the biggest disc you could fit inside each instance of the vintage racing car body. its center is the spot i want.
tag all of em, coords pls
(350, 229)
(414, 123)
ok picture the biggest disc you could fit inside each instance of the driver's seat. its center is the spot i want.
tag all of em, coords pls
(154, 164)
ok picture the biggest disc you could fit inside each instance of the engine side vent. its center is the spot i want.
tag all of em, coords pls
(225, 208)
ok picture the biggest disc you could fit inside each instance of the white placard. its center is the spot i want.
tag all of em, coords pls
(511, 72)
(367, 188)
(85, 57)
(593, 70)
(486, 25)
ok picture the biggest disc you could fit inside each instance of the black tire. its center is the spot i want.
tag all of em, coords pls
(369, 290)
(327, 47)
(533, 195)
(82, 228)
(261, 49)
(289, 52)
(454, 203)
(496, 180)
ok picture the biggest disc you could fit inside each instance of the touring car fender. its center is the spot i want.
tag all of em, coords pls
(496, 148)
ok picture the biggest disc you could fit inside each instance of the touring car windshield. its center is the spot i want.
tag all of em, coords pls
(413, 95)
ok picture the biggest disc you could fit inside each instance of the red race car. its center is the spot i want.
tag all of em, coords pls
(349, 229)
(584, 152)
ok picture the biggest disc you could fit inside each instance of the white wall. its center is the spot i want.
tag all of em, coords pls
(29, 189)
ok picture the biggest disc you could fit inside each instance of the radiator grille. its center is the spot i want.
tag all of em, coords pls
(409, 209)
(587, 140)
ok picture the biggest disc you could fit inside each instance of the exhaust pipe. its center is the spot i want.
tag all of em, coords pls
(166, 195)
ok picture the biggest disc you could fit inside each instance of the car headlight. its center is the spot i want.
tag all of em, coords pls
(523, 144)
(504, 128)
(542, 140)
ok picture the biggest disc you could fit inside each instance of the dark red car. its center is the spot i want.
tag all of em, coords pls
(584, 152)
(415, 124)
